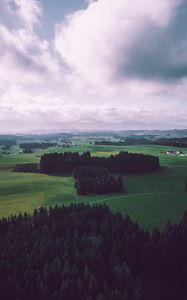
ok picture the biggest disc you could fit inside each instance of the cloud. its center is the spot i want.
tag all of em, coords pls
(28, 11)
(108, 40)
(159, 53)
(23, 54)
(24, 111)
(111, 64)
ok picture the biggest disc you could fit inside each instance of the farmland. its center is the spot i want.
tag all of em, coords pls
(151, 199)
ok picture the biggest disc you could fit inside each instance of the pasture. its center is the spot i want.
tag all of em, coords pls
(151, 199)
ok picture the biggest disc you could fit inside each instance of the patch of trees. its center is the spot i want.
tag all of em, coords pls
(122, 162)
(26, 168)
(174, 142)
(8, 143)
(93, 180)
(90, 172)
(125, 142)
(99, 185)
(42, 146)
(89, 253)
(65, 145)
(6, 148)
(27, 150)
(5, 152)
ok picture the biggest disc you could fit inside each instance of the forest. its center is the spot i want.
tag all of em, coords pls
(93, 180)
(90, 172)
(7, 142)
(26, 168)
(123, 162)
(125, 142)
(32, 145)
(89, 253)
(175, 142)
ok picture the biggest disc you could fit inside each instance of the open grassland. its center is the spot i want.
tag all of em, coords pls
(152, 199)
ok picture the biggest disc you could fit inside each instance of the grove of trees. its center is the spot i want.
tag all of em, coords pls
(7, 142)
(26, 168)
(122, 162)
(93, 180)
(90, 172)
(174, 142)
(89, 253)
(125, 142)
(33, 145)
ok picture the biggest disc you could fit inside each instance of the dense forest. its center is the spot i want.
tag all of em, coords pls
(7, 142)
(122, 162)
(175, 142)
(99, 185)
(26, 168)
(89, 253)
(93, 180)
(90, 172)
(30, 146)
(124, 142)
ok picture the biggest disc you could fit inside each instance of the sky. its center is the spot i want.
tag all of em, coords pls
(104, 64)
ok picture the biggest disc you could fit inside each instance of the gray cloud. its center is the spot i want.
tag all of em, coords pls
(159, 53)
(86, 77)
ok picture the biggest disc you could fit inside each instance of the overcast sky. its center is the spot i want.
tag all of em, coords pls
(105, 64)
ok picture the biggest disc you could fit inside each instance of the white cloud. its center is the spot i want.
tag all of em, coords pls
(81, 83)
(24, 111)
(95, 41)
(24, 56)
(28, 11)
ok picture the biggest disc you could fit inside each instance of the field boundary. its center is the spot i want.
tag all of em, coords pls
(132, 195)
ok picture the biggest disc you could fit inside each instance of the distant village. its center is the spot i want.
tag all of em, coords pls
(176, 152)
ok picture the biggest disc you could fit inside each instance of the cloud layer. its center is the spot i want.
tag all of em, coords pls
(112, 40)
(115, 61)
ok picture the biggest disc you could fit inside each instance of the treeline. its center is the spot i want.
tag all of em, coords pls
(90, 172)
(26, 168)
(89, 253)
(99, 185)
(127, 141)
(92, 180)
(37, 145)
(174, 142)
(7, 142)
(122, 162)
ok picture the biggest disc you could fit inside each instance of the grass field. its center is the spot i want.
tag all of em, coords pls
(152, 199)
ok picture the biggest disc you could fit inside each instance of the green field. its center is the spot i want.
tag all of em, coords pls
(152, 199)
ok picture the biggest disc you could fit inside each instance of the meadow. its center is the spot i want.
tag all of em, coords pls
(151, 199)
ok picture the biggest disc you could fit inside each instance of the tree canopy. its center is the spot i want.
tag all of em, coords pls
(89, 253)
(123, 162)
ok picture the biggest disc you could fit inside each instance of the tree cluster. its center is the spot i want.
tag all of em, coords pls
(89, 253)
(99, 185)
(174, 142)
(90, 172)
(6, 142)
(26, 146)
(26, 168)
(122, 162)
(7, 147)
(27, 150)
(125, 142)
